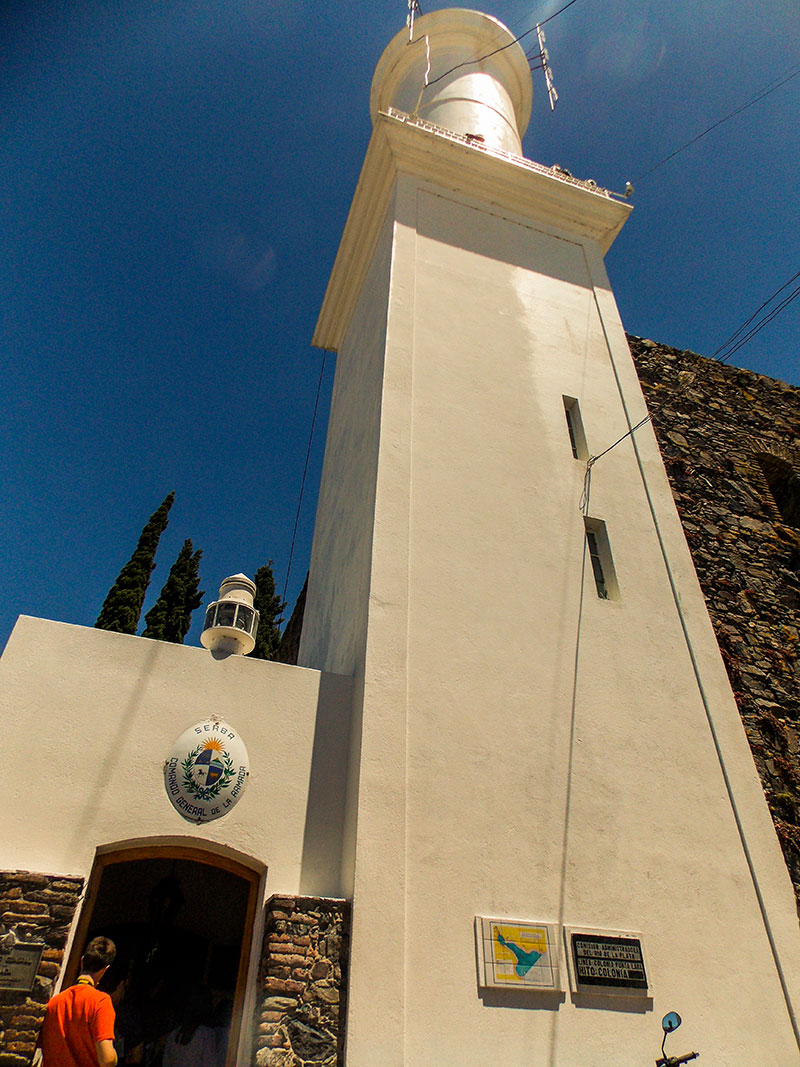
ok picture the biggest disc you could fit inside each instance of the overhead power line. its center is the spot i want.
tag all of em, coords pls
(305, 472)
(736, 340)
(619, 440)
(760, 95)
(502, 48)
(555, 13)
(587, 476)
(742, 335)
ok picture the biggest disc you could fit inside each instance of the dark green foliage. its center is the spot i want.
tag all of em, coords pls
(123, 605)
(170, 617)
(270, 606)
(289, 648)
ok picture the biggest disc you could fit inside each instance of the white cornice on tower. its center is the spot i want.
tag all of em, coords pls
(405, 144)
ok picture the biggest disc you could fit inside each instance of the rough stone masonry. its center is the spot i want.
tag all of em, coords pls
(302, 983)
(730, 440)
(37, 908)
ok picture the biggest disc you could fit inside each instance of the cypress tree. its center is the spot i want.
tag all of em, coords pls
(123, 605)
(289, 647)
(268, 636)
(170, 617)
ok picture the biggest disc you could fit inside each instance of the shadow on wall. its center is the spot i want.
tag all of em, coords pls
(114, 747)
(539, 1000)
(639, 1005)
(449, 221)
(320, 871)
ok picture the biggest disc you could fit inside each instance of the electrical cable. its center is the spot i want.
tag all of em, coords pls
(583, 504)
(751, 333)
(555, 13)
(472, 62)
(760, 326)
(743, 107)
(737, 339)
(512, 26)
(747, 322)
(584, 501)
(632, 430)
(707, 701)
(424, 86)
(733, 344)
(305, 471)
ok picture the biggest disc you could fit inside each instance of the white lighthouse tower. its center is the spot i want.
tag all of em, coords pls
(504, 811)
(543, 732)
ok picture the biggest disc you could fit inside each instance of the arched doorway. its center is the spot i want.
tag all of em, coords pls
(182, 919)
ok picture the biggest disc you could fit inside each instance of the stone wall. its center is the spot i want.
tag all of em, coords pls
(724, 433)
(38, 908)
(302, 983)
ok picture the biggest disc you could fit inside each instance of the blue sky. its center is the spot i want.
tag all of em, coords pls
(175, 178)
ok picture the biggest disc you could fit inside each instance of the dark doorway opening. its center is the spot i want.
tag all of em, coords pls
(182, 921)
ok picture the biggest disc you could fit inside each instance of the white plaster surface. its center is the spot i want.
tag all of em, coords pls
(518, 747)
(526, 749)
(334, 623)
(88, 718)
(491, 99)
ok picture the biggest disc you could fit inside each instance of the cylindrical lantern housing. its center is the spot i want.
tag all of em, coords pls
(463, 71)
(231, 622)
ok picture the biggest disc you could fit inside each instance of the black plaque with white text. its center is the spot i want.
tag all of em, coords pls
(613, 962)
(18, 966)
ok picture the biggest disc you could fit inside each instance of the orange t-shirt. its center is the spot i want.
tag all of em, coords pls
(74, 1022)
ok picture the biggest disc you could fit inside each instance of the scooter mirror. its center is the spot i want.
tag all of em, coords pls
(670, 1022)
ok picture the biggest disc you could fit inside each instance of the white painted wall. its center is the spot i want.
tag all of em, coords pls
(427, 76)
(334, 622)
(626, 822)
(518, 748)
(88, 718)
(496, 776)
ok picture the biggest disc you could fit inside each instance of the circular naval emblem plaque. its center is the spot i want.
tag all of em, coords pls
(207, 771)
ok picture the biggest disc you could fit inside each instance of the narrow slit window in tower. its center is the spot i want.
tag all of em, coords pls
(605, 579)
(577, 438)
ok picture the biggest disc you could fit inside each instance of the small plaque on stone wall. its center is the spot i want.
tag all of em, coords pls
(18, 966)
(606, 962)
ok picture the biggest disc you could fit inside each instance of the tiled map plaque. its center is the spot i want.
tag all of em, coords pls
(515, 954)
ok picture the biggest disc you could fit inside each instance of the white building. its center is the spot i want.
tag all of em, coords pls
(510, 703)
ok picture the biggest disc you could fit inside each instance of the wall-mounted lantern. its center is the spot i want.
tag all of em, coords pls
(231, 622)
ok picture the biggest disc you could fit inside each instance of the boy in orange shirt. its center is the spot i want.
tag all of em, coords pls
(78, 1028)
